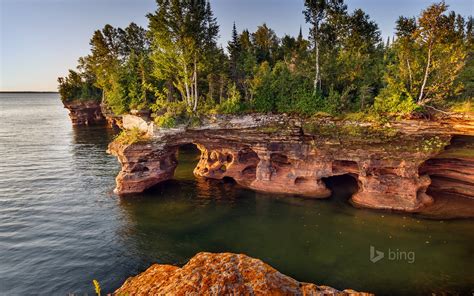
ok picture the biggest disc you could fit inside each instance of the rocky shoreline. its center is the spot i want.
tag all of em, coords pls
(85, 112)
(397, 166)
(417, 166)
(221, 274)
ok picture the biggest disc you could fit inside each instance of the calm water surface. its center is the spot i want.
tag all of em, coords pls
(61, 226)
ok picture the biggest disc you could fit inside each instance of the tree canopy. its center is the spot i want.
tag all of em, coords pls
(176, 69)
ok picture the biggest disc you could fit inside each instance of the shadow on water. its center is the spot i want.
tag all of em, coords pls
(98, 135)
(321, 241)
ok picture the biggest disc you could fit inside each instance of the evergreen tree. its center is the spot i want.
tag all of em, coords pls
(235, 49)
(265, 43)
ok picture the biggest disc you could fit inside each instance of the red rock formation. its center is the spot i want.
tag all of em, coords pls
(221, 274)
(143, 165)
(279, 171)
(85, 112)
(452, 172)
(287, 160)
(113, 121)
(392, 184)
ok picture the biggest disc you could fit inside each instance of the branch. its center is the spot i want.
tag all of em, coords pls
(438, 110)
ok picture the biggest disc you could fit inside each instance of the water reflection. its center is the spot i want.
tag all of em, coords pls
(322, 241)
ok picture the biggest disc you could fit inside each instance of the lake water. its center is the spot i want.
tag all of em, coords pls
(61, 226)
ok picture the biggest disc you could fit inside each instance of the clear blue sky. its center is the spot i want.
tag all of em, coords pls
(41, 39)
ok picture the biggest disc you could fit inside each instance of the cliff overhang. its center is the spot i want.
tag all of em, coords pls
(394, 164)
(85, 112)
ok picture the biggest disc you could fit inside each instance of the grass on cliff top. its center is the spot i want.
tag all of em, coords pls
(462, 107)
(370, 136)
(127, 137)
(461, 148)
(457, 153)
(343, 130)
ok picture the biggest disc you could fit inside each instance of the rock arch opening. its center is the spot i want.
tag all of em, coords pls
(229, 180)
(342, 186)
(188, 157)
(202, 159)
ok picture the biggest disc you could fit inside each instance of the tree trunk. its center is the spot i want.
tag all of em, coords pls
(195, 85)
(425, 78)
(169, 96)
(211, 86)
(316, 78)
(316, 47)
(186, 86)
(221, 88)
(409, 73)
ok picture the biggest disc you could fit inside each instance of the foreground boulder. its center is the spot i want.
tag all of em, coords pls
(221, 274)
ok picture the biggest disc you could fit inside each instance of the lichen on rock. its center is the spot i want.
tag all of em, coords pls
(221, 274)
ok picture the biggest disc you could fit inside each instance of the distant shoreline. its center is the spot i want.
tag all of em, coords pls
(27, 92)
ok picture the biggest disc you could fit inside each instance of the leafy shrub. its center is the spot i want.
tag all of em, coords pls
(232, 104)
(308, 102)
(170, 114)
(394, 101)
(132, 136)
(462, 106)
(166, 120)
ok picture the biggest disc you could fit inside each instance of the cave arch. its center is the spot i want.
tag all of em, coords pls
(230, 164)
(343, 186)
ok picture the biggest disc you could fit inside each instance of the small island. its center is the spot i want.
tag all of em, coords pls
(285, 114)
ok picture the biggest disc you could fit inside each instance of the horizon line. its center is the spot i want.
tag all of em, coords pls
(29, 91)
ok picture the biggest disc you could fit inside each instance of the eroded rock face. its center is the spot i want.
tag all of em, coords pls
(284, 158)
(452, 171)
(85, 112)
(143, 165)
(221, 274)
(274, 168)
(392, 184)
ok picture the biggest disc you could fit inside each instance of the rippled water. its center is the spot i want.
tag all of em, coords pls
(61, 226)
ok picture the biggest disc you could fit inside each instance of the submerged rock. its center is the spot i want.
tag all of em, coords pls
(85, 112)
(221, 274)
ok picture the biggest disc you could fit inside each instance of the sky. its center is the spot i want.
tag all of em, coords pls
(42, 39)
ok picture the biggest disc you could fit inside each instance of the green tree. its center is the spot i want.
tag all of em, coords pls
(183, 36)
(78, 86)
(265, 43)
(316, 13)
(430, 54)
(235, 50)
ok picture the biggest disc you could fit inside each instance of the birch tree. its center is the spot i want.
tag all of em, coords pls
(316, 12)
(183, 33)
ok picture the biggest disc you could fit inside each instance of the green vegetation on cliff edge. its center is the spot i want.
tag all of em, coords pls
(176, 69)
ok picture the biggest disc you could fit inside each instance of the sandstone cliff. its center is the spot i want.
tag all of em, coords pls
(394, 165)
(85, 112)
(221, 274)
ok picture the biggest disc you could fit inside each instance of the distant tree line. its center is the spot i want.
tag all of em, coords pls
(176, 69)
